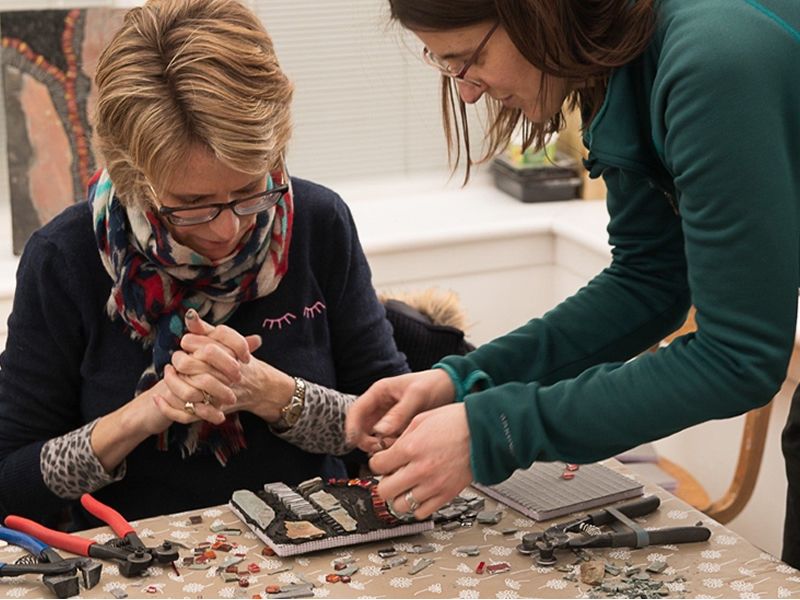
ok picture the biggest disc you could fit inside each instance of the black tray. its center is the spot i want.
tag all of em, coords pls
(545, 183)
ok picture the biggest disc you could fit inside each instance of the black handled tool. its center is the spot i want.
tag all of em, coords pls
(585, 532)
(59, 575)
(655, 537)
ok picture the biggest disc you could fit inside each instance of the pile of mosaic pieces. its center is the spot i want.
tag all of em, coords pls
(610, 580)
(465, 511)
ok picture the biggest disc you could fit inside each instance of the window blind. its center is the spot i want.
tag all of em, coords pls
(365, 103)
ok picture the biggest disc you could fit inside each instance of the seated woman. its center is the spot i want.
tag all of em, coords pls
(194, 223)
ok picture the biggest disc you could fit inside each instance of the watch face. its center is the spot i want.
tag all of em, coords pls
(295, 409)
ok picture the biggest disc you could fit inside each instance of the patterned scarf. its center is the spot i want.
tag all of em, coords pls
(156, 280)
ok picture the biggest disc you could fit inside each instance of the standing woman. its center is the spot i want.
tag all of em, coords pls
(691, 117)
(175, 338)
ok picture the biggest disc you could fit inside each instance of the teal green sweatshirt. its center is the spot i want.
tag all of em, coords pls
(698, 142)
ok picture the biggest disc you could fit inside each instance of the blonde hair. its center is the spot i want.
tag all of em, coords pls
(185, 72)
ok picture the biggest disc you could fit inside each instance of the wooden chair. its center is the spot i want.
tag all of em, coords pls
(748, 464)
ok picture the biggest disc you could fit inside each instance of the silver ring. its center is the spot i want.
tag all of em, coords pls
(189, 407)
(207, 398)
(413, 505)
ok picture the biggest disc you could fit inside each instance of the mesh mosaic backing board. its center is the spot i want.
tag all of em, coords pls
(355, 499)
(540, 493)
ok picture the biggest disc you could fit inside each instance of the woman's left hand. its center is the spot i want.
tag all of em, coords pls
(429, 464)
(220, 358)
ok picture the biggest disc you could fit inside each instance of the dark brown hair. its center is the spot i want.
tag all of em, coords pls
(581, 40)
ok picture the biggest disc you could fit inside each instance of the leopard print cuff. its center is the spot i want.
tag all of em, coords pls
(70, 467)
(320, 428)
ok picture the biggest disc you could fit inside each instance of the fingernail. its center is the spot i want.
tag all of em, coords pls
(191, 314)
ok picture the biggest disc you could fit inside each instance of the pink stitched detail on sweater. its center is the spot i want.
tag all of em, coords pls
(279, 323)
(309, 312)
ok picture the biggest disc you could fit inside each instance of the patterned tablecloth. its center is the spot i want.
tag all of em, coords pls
(726, 566)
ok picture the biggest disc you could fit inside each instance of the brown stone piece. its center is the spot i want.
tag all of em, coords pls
(299, 530)
(592, 572)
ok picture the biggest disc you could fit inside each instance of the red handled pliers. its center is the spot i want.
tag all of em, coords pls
(127, 550)
(130, 564)
(128, 540)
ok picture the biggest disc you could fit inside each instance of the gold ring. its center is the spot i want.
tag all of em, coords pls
(207, 398)
(189, 407)
(413, 505)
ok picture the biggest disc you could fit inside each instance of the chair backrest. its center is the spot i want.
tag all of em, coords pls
(748, 463)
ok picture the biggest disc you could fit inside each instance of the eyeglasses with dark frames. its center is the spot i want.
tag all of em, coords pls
(461, 74)
(249, 205)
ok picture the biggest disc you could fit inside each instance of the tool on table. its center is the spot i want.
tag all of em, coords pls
(131, 563)
(585, 532)
(166, 552)
(59, 575)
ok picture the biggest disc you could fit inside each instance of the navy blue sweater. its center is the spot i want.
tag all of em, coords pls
(66, 363)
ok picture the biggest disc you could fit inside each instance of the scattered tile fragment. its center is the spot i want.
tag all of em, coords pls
(592, 572)
(419, 565)
(657, 566)
(495, 568)
(490, 517)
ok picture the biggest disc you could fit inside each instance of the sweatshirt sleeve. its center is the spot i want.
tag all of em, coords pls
(39, 377)
(728, 133)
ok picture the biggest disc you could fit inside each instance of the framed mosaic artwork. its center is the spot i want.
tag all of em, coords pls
(48, 62)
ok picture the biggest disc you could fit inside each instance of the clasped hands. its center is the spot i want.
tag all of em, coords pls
(215, 373)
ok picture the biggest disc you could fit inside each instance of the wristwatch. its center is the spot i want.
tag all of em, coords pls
(290, 413)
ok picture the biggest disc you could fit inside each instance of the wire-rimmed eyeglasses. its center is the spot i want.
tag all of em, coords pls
(461, 74)
(242, 207)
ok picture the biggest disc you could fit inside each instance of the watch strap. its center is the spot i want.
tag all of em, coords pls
(290, 413)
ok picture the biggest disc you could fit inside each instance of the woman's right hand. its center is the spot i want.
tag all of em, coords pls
(384, 411)
(118, 433)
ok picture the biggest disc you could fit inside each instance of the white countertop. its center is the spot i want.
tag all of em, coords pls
(426, 212)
